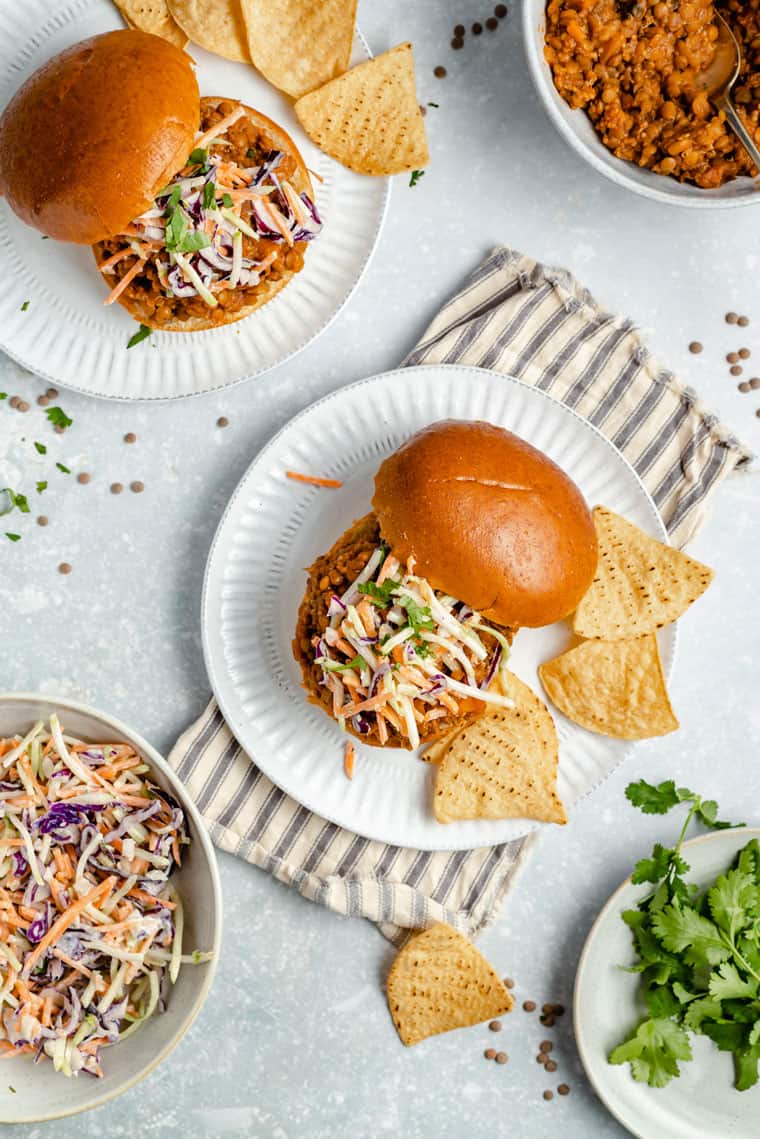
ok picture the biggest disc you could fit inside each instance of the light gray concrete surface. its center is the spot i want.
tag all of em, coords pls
(295, 1039)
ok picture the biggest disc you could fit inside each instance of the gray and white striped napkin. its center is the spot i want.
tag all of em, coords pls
(538, 324)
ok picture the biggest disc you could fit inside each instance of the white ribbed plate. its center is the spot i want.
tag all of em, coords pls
(67, 336)
(274, 527)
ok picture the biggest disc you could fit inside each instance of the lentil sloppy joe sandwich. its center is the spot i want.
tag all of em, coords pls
(408, 618)
(198, 210)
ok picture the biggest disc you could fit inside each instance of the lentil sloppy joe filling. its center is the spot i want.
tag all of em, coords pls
(632, 65)
(218, 234)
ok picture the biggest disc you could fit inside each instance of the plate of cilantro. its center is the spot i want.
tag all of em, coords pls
(667, 994)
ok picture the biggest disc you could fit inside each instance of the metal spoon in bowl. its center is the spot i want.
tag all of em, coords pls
(718, 79)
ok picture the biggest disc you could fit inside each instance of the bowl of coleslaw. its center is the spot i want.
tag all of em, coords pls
(110, 908)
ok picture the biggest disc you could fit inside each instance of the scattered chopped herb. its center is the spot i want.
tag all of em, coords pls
(16, 502)
(3, 395)
(227, 199)
(41, 486)
(25, 306)
(198, 157)
(419, 616)
(40, 448)
(11, 1088)
(46, 237)
(416, 175)
(58, 417)
(61, 467)
(13, 537)
(209, 195)
(174, 196)
(192, 242)
(698, 952)
(176, 227)
(422, 648)
(250, 153)
(433, 104)
(357, 663)
(142, 333)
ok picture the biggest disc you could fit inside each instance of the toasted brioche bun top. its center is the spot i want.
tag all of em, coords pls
(490, 520)
(87, 141)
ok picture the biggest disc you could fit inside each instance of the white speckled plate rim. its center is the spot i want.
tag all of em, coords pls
(297, 745)
(67, 337)
(702, 1101)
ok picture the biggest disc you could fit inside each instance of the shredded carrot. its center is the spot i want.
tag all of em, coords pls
(219, 128)
(144, 896)
(127, 279)
(313, 480)
(349, 757)
(61, 924)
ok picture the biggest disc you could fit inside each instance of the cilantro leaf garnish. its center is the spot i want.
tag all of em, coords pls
(419, 616)
(415, 177)
(64, 470)
(209, 195)
(697, 952)
(25, 306)
(142, 333)
(381, 595)
(42, 486)
(3, 395)
(13, 537)
(227, 200)
(15, 502)
(654, 1051)
(58, 417)
(40, 448)
(433, 104)
(198, 157)
(357, 663)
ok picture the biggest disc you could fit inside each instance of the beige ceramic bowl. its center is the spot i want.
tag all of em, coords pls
(40, 1092)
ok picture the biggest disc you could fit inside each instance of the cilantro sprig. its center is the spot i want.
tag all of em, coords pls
(58, 417)
(698, 953)
(10, 500)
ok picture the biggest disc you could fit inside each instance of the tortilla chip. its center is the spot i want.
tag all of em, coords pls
(435, 751)
(216, 25)
(440, 981)
(504, 766)
(640, 584)
(369, 118)
(152, 16)
(299, 44)
(615, 688)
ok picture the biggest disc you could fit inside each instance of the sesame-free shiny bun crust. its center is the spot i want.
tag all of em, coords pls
(490, 520)
(91, 136)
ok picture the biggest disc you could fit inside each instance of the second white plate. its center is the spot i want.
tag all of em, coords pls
(273, 528)
(67, 336)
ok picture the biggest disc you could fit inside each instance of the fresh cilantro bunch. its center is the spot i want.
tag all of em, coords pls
(698, 953)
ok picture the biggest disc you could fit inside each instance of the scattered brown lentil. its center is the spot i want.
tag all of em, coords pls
(696, 347)
(477, 28)
(83, 478)
(492, 23)
(222, 421)
(137, 487)
(754, 382)
(743, 321)
(64, 568)
(757, 413)
(42, 520)
(541, 1058)
(547, 1010)
(14, 401)
(548, 1095)
(551, 1065)
(732, 357)
(459, 30)
(457, 43)
(490, 1053)
(744, 386)
(43, 400)
(500, 10)
(529, 1006)
(52, 393)
(501, 1057)
(736, 369)
(546, 1046)
(744, 353)
(439, 72)
(547, 1021)
(564, 1089)
(117, 487)
(495, 1026)
(509, 982)
(23, 405)
(559, 1010)
(732, 318)
(130, 437)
